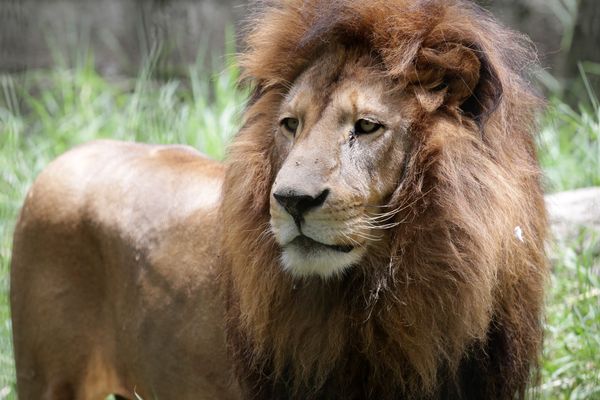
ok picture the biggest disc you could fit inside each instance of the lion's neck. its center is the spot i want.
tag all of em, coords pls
(311, 332)
(392, 323)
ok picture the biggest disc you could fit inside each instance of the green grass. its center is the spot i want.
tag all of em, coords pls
(42, 114)
(571, 368)
(570, 146)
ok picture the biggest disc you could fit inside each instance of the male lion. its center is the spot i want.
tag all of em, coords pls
(378, 231)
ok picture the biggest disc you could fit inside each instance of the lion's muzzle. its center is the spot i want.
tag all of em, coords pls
(296, 203)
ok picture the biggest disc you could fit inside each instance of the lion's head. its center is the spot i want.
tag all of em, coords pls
(341, 141)
(344, 134)
(372, 197)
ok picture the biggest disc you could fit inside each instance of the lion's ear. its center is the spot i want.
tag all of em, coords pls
(456, 76)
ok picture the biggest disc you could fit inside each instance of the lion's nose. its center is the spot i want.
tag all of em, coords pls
(296, 204)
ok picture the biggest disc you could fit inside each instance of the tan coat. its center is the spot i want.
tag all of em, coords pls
(113, 277)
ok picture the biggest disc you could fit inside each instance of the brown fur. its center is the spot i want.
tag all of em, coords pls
(113, 277)
(450, 304)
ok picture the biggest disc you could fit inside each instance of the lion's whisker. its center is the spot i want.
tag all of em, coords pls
(403, 206)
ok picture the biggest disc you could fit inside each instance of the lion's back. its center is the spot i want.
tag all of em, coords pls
(110, 234)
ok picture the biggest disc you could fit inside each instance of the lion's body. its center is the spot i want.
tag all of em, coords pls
(113, 277)
(382, 216)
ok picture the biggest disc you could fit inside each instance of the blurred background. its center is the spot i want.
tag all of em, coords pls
(163, 71)
(122, 34)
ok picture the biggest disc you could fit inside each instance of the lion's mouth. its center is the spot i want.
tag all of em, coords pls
(309, 244)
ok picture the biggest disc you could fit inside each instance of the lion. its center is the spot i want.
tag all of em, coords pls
(377, 231)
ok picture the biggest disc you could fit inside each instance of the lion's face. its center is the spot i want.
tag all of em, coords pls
(341, 142)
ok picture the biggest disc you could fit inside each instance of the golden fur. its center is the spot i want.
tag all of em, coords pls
(113, 287)
(450, 304)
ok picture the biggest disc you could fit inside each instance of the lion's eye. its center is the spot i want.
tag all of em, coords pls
(364, 126)
(290, 124)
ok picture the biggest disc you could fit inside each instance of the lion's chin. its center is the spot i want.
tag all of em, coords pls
(303, 258)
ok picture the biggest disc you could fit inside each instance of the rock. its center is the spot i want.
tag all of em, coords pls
(574, 212)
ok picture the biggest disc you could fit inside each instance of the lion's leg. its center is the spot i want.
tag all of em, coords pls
(58, 302)
(32, 386)
(62, 364)
(40, 388)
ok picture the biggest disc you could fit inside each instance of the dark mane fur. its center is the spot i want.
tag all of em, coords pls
(451, 306)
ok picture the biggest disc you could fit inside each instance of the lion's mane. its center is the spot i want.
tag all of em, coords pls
(452, 307)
